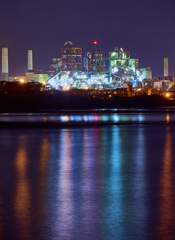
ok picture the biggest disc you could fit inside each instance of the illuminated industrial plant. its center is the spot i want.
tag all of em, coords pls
(66, 72)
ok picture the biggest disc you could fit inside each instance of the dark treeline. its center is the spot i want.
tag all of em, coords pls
(19, 97)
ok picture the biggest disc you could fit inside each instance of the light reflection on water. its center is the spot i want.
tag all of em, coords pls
(64, 220)
(87, 183)
(165, 219)
(22, 201)
(80, 118)
(1, 217)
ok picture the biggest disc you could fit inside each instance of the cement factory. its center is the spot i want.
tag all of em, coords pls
(73, 71)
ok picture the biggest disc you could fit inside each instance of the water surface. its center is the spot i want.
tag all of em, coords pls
(104, 183)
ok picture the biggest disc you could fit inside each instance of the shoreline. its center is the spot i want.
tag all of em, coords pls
(26, 102)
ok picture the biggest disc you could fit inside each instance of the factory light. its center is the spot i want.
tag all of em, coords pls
(115, 70)
(21, 80)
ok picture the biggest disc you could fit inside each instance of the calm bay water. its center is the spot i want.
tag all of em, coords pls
(82, 183)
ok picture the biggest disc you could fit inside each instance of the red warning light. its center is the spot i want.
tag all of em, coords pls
(95, 42)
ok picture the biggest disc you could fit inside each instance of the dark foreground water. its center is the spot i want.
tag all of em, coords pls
(88, 183)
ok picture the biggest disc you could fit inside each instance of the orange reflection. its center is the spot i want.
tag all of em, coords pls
(22, 198)
(44, 157)
(167, 117)
(165, 217)
(66, 118)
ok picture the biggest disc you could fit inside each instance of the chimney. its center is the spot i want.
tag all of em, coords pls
(166, 73)
(30, 60)
(5, 70)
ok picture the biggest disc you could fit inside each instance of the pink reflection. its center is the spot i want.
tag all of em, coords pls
(165, 217)
(22, 195)
(89, 189)
(1, 218)
(43, 171)
(65, 201)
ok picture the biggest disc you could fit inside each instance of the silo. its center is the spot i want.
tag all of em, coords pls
(166, 72)
(5, 70)
(30, 60)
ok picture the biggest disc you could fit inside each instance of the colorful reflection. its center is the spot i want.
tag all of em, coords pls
(64, 220)
(165, 221)
(22, 202)
(1, 218)
(42, 180)
(139, 187)
(87, 183)
(113, 211)
(112, 118)
(90, 190)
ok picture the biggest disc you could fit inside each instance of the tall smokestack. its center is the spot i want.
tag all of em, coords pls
(30, 60)
(166, 72)
(5, 69)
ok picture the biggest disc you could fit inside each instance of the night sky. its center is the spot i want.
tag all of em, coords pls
(146, 28)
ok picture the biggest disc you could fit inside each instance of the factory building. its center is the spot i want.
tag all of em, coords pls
(55, 66)
(146, 73)
(142, 73)
(71, 57)
(31, 75)
(37, 76)
(94, 62)
(66, 72)
(134, 64)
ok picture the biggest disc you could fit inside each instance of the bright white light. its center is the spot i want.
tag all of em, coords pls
(115, 69)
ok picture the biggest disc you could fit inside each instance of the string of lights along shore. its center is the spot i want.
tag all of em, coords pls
(94, 70)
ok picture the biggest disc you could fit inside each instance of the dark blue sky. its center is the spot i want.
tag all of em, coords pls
(146, 28)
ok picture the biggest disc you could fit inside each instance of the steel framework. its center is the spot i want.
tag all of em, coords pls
(71, 57)
(119, 57)
(95, 62)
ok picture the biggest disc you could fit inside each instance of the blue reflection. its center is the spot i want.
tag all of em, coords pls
(72, 118)
(115, 118)
(112, 212)
(62, 118)
(87, 182)
(85, 118)
(141, 118)
(78, 118)
(139, 187)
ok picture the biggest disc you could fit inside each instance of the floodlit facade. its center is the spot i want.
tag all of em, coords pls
(30, 76)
